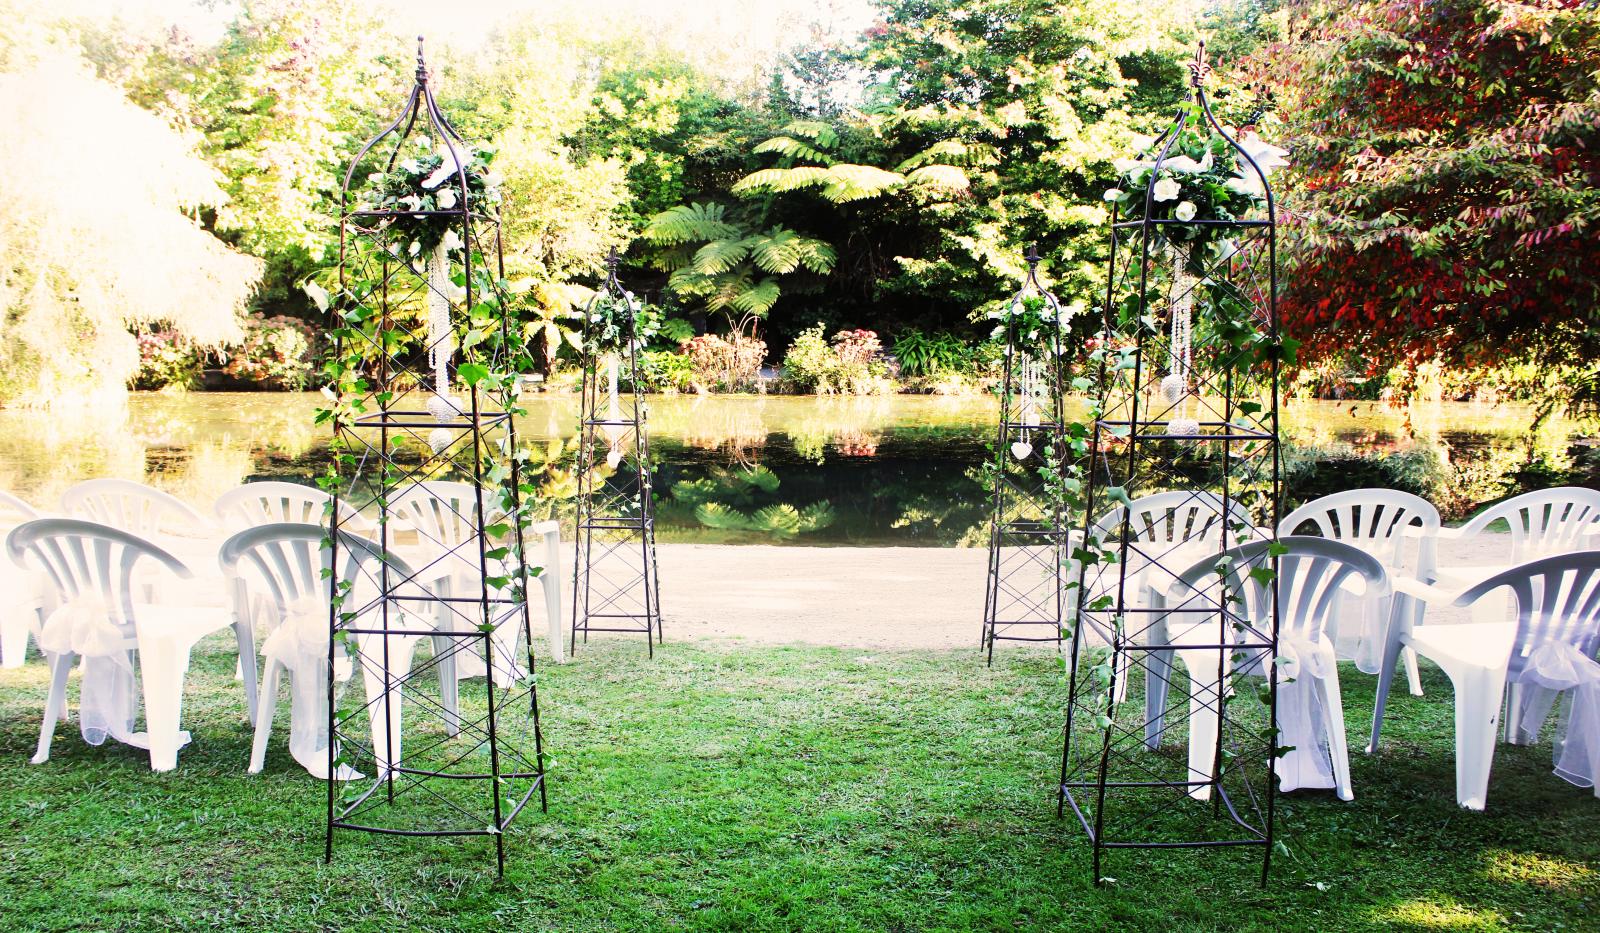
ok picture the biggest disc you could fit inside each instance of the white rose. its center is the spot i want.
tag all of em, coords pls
(1167, 190)
(1184, 211)
(1112, 194)
(451, 240)
(446, 198)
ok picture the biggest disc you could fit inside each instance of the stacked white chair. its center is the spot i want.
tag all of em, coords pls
(1543, 523)
(21, 600)
(1385, 523)
(266, 502)
(281, 567)
(1312, 572)
(442, 515)
(132, 507)
(1164, 530)
(1557, 625)
(95, 573)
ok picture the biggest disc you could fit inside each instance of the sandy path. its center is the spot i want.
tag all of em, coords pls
(888, 597)
(880, 597)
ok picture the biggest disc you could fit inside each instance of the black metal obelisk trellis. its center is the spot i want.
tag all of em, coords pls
(615, 583)
(1025, 597)
(1170, 737)
(424, 375)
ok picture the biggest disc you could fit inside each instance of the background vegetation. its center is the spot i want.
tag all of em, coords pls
(1438, 217)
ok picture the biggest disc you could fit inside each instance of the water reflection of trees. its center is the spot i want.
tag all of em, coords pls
(742, 500)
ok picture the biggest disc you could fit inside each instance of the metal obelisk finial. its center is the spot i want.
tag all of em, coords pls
(422, 67)
(1199, 70)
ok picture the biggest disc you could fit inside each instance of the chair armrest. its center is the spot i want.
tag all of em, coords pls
(1427, 592)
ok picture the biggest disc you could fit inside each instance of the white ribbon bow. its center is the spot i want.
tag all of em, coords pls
(87, 626)
(1554, 668)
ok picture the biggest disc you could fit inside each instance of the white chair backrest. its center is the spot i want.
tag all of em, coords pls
(1311, 572)
(443, 514)
(284, 562)
(13, 509)
(1376, 521)
(87, 560)
(1545, 522)
(1557, 599)
(270, 502)
(132, 507)
(1159, 522)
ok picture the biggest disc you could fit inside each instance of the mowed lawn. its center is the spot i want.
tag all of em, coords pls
(724, 787)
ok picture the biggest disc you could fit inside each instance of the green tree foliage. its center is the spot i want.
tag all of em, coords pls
(281, 104)
(97, 236)
(1448, 153)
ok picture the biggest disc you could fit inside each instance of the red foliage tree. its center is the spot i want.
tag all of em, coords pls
(1446, 198)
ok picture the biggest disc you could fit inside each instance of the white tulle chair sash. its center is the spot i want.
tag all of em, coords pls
(86, 626)
(1557, 668)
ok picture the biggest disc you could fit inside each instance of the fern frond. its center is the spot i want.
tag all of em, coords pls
(688, 223)
(821, 133)
(719, 256)
(859, 182)
(781, 519)
(941, 177)
(952, 152)
(817, 516)
(758, 299)
(794, 149)
(719, 516)
(781, 179)
(761, 478)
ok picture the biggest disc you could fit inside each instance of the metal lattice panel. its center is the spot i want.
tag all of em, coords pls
(616, 585)
(1168, 742)
(436, 731)
(1026, 595)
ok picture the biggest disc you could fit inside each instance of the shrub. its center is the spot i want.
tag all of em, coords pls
(728, 363)
(166, 360)
(851, 363)
(923, 355)
(665, 370)
(275, 354)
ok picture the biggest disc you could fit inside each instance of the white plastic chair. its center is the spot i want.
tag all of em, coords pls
(1383, 523)
(1543, 523)
(268, 502)
(22, 601)
(1229, 606)
(279, 568)
(1166, 529)
(1557, 599)
(94, 572)
(133, 507)
(443, 517)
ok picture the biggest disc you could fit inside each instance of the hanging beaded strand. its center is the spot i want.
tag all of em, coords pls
(441, 346)
(1175, 387)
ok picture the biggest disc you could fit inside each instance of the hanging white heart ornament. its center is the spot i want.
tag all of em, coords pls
(1172, 388)
(1021, 449)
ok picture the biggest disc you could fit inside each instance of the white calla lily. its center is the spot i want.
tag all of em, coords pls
(1112, 194)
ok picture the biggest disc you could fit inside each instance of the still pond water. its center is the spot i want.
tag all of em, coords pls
(894, 470)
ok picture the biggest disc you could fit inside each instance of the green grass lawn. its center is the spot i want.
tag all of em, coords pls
(739, 788)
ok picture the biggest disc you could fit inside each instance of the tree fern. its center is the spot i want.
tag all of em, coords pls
(757, 299)
(858, 182)
(777, 180)
(720, 256)
(793, 148)
(688, 223)
(939, 177)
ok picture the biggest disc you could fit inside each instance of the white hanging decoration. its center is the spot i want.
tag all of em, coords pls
(441, 344)
(613, 428)
(1030, 392)
(1175, 386)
